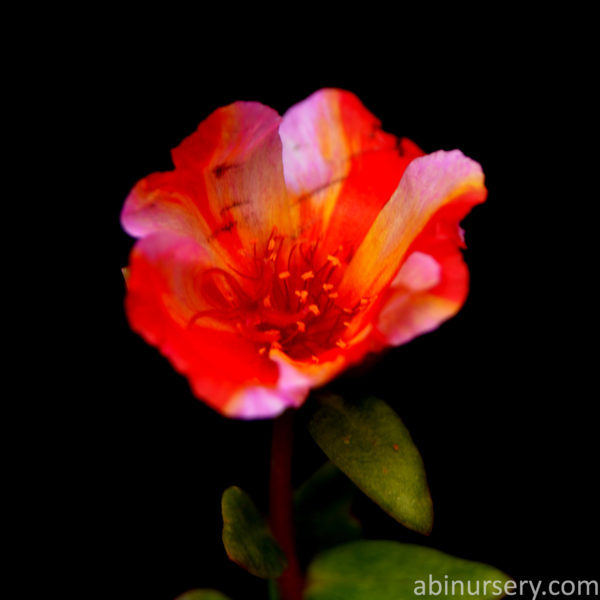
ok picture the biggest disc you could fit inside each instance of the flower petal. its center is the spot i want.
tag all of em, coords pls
(163, 304)
(340, 165)
(227, 189)
(430, 183)
(294, 383)
(165, 202)
(412, 307)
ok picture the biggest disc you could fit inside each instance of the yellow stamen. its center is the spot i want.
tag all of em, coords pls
(262, 350)
(315, 359)
(334, 260)
(301, 326)
(267, 301)
(364, 301)
(302, 294)
(333, 295)
(341, 343)
(284, 275)
(314, 309)
(276, 345)
(271, 245)
(307, 275)
(327, 286)
(348, 311)
(346, 323)
(272, 256)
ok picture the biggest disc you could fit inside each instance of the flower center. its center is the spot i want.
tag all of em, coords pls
(287, 299)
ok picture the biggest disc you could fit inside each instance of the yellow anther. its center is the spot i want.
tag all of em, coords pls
(346, 323)
(348, 311)
(327, 286)
(271, 245)
(333, 295)
(272, 256)
(364, 301)
(284, 274)
(267, 301)
(315, 359)
(307, 275)
(341, 343)
(314, 309)
(301, 326)
(276, 345)
(302, 294)
(262, 350)
(334, 260)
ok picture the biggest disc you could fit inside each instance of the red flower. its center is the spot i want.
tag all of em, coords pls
(282, 249)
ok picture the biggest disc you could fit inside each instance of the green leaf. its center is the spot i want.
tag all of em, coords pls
(370, 444)
(385, 570)
(246, 536)
(322, 510)
(202, 595)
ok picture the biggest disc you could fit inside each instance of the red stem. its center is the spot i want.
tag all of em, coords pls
(281, 507)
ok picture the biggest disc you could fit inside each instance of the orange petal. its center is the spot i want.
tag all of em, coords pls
(433, 281)
(429, 183)
(168, 203)
(227, 188)
(340, 165)
(162, 305)
(294, 382)
(411, 307)
(239, 151)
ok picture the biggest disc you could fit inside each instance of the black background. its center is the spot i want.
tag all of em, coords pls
(498, 400)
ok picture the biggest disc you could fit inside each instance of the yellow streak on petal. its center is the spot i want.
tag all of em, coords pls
(428, 183)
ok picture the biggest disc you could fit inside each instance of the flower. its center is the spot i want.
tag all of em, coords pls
(281, 250)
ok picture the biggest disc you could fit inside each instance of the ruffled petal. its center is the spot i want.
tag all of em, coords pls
(442, 180)
(433, 282)
(227, 189)
(165, 202)
(341, 167)
(412, 306)
(295, 380)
